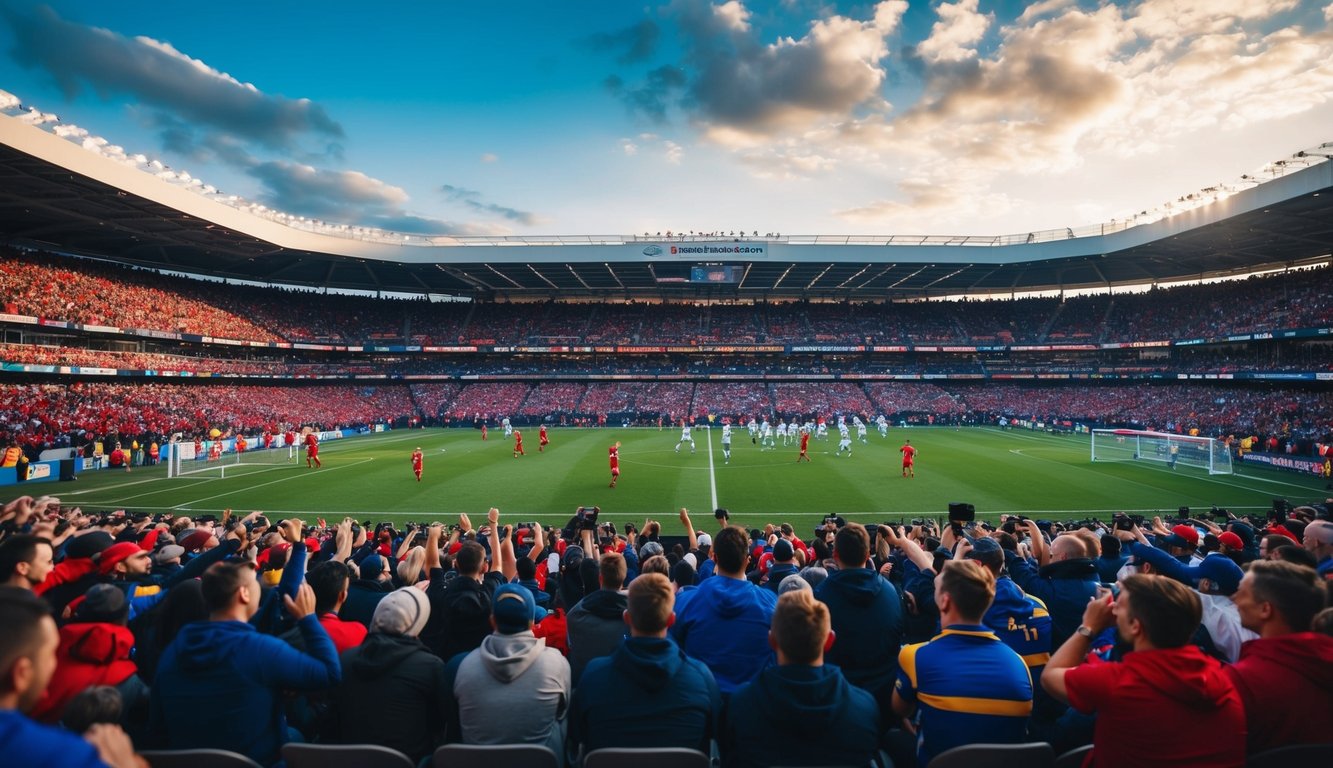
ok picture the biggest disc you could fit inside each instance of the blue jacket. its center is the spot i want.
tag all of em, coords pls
(29, 742)
(220, 685)
(867, 619)
(1065, 587)
(646, 694)
(725, 625)
(799, 715)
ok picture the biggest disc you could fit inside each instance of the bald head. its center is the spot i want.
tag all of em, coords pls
(1067, 547)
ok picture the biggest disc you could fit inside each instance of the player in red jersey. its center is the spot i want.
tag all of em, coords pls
(909, 459)
(483, 432)
(542, 442)
(289, 440)
(312, 450)
(805, 444)
(518, 444)
(615, 463)
(417, 459)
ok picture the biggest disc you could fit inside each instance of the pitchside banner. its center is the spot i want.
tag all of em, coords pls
(1301, 464)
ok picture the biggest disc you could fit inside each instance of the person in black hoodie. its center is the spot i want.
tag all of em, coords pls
(867, 617)
(393, 691)
(460, 608)
(597, 623)
(823, 719)
(648, 693)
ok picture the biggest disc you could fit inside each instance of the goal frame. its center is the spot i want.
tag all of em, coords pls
(1144, 448)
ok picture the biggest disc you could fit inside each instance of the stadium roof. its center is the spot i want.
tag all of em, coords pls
(58, 195)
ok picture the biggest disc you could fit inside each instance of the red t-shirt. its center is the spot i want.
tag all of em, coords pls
(805, 440)
(615, 458)
(909, 453)
(344, 634)
(416, 460)
(1170, 708)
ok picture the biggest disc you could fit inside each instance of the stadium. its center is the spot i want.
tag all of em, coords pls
(210, 381)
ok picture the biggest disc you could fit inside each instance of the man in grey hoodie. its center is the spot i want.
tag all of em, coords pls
(513, 689)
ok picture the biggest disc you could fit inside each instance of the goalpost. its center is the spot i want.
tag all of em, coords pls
(1161, 447)
(183, 461)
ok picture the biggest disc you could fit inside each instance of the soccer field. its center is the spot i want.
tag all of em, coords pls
(370, 477)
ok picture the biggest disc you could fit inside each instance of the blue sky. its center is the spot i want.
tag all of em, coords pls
(965, 117)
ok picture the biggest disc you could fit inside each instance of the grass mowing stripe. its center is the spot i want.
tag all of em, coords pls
(712, 475)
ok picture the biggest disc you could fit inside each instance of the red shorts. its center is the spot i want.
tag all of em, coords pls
(312, 451)
(615, 471)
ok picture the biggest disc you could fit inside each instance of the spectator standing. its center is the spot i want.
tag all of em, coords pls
(725, 624)
(460, 607)
(647, 693)
(802, 711)
(330, 580)
(1064, 585)
(1161, 687)
(25, 561)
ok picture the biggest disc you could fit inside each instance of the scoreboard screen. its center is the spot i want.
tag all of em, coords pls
(716, 273)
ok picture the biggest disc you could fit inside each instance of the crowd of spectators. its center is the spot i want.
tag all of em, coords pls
(844, 646)
(101, 293)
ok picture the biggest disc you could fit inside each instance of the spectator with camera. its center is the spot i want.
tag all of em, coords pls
(1164, 682)
(725, 624)
(821, 719)
(965, 686)
(1064, 585)
(1285, 677)
(647, 693)
(866, 614)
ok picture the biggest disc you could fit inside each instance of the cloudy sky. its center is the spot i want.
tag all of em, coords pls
(804, 117)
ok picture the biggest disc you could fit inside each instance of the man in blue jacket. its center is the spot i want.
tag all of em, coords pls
(725, 624)
(220, 684)
(1064, 585)
(648, 693)
(867, 617)
(803, 711)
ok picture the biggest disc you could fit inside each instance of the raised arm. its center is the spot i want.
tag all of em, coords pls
(911, 549)
(538, 543)
(689, 529)
(493, 517)
(509, 563)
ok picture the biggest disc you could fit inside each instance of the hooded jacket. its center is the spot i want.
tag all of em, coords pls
(92, 654)
(646, 694)
(1179, 703)
(33, 743)
(725, 625)
(460, 612)
(363, 596)
(1065, 587)
(1286, 684)
(227, 675)
(393, 694)
(510, 690)
(596, 627)
(867, 621)
(821, 719)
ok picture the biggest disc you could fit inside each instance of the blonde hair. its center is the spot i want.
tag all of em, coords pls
(409, 568)
(800, 626)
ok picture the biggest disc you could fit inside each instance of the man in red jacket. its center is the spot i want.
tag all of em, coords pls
(1285, 678)
(1166, 704)
(95, 650)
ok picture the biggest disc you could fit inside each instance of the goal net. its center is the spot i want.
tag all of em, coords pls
(1161, 447)
(184, 460)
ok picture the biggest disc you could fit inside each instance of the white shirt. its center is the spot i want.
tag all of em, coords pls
(1222, 620)
(726, 433)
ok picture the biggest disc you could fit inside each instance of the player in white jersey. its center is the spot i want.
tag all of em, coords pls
(726, 443)
(860, 430)
(821, 432)
(509, 429)
(883, 425)
(844, 441)
(782, 432)
(766, 435)
(753, 427)
(685, 437)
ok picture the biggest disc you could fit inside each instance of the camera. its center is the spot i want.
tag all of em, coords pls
(721, 514)
(587, 517)
(836, 521)
(959, 513)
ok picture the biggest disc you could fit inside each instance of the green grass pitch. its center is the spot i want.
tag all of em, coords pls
(370, 477)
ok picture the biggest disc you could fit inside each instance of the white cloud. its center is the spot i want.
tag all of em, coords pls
(8, 100)
(955, 35)
(674, 152)
(629, 148)
(734, 15)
